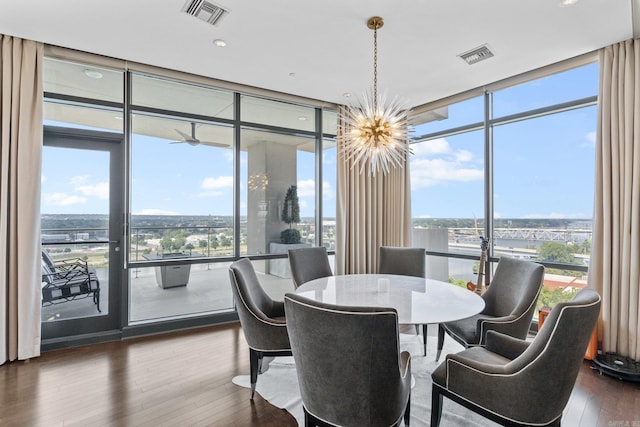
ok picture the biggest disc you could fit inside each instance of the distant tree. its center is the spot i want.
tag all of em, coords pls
(458, 282)
(214, 242)
(202, 243)
(167, 243)
(550, 297)
(556, 252)
(225, 241)
(584, 247)
(290, 215)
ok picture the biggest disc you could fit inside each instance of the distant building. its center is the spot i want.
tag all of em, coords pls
(566, 283)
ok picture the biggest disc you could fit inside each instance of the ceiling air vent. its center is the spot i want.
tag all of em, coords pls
(208, 12)
(476, 55)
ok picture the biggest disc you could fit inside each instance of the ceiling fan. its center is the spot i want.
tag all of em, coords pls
(192, 140)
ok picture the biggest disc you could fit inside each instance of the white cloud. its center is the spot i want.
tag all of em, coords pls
(306, 188)
(436, 146)
(153, 211)
(220, 182)
(591, 139)
(100, 190)
(215, 187)
(328, 192)
(79, 179)
(464, 156)
(435, 161)
(429, 172)
(63, 199)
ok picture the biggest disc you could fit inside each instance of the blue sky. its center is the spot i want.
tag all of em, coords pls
(543, 167)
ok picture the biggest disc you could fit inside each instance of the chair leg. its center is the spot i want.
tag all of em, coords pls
(254, 362)
(436, 406)
(440, 341)
(407, 412)
(308, 419)
(417, 329)
(424, 337)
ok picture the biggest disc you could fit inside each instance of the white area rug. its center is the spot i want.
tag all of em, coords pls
(279, 386)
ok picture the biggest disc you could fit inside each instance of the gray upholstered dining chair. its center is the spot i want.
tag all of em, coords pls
(262, 319)
(308, 264)
(510, 302)
(405, 262)
(349, 365)
(516, 382)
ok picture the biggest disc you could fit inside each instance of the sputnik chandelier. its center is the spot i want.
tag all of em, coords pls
(376, 130)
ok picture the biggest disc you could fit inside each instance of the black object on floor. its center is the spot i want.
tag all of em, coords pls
(621, 367)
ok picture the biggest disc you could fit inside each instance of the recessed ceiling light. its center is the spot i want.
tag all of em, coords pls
(302, 118)
(94, 74)
(347, 94)
(220, 42)
(565, 3)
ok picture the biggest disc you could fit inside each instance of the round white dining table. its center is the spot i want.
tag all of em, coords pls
(418, 301)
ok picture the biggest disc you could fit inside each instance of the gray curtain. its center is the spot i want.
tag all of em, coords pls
(20, 170)
(614, 268)
(372, 211)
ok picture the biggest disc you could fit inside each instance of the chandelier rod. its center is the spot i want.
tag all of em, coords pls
(375, 23)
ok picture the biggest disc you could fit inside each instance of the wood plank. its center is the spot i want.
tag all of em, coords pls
(184, 378)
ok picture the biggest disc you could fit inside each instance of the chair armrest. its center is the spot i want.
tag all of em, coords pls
(505, 345)
(465, 361)
(505, 324)
(495, 320)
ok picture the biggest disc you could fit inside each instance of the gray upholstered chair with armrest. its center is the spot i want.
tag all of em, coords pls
(405, 262)
(519, 383)
(262, 319)
(308, 264)
(350, 368)
(510, 302)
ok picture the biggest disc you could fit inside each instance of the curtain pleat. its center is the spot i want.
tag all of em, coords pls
(20, 170)
(372, 211)
(614, 268)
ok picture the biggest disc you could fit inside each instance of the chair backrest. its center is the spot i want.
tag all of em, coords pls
(551, 363)
(349, 368)
(514, 289)
(254, 306)
(308, 264)
(402, 261)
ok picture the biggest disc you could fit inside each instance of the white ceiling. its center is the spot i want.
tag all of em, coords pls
(327, 44)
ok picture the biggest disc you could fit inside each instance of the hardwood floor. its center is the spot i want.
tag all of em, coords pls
(184, 379)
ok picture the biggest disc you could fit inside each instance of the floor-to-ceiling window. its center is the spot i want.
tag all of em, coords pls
(513, 164)
(208, 175)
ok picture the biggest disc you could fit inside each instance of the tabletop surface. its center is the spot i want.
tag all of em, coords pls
(417, 300)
